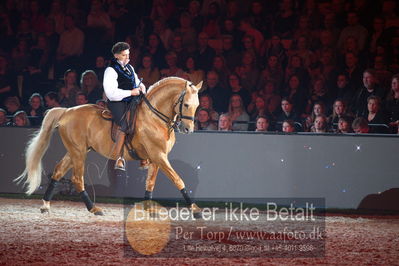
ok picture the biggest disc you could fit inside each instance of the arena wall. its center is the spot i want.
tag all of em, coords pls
(341, 169)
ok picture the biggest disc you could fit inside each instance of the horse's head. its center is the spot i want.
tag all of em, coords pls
(187, 105)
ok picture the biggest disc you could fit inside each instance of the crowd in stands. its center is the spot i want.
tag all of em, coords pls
(290, 65)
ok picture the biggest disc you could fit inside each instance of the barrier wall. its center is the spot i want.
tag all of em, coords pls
(341, 169)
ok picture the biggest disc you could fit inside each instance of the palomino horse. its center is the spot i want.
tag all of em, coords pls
(170, 102)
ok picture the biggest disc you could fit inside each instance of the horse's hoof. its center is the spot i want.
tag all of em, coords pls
(97, 211)
(44, 210)
(196, 211)
(197, 215)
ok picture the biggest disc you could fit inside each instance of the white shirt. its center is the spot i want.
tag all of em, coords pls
(110, 83)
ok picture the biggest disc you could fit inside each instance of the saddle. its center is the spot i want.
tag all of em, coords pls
(107, 115)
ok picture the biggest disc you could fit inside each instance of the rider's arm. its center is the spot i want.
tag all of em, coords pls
(110, 84)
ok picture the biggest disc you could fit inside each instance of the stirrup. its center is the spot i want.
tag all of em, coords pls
(117, 167)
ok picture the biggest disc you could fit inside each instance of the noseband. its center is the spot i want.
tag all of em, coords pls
(170, 122)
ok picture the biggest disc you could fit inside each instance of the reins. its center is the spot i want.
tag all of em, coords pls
(171, 123)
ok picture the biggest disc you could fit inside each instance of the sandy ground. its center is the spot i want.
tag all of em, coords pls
(70, 235)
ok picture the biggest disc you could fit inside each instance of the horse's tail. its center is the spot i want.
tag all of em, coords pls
(36, 148)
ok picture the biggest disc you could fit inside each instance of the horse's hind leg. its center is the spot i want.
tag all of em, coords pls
(78, 162)
(59, 171)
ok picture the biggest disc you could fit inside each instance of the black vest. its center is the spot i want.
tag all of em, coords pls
(126, 81)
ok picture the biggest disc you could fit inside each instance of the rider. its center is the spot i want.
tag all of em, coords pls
(122, 88)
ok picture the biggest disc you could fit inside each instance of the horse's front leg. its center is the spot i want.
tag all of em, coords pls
(164, 164)
(150, 181)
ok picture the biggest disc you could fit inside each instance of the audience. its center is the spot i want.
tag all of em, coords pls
(306, 51)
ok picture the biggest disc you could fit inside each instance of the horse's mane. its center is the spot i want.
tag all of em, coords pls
(166, 81)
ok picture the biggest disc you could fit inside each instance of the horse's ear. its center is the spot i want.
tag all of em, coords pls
(199, 85)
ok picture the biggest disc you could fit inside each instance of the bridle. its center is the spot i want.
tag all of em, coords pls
(171, 123)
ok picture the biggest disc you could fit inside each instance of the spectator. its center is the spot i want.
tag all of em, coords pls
(90, 85)
(285, 19)
(277, 49)
(320, 124)
(156, 49)
(259, 110)
(204, 121)
(187, 33)
(192, 73)
(259, 19)
(20, 119)
(381, 71)
(37, 19)
(248, 45)
(248, 71)
(375, 114)
(370, 87)
(360, 126)
(205, 53)
(194, 8)
(392, 105)
(287, 112)
(212, 21)
(70, 47)
(99, 23)
(320, 93)
(339, 110)
(3, 117)
(389, 11)
(296, 93)
(342, 88)
(229, 52)
(36, 105)
(206, 103)
(12, 105)
(181, 52)
(273, 72)
(238, 115)
(303, 51)
(164, 32)
(288, 126)
(8, 80)
(353, 70)
(20, 56)
(52, 100)
(224, 123)
(272, 99)
(81, 98)
(345, 125)
(148, 71)
(229, 30)
(57, 15)
(102, 103)
(353, 29)
(70, 88)
(236, 88)
(99, 68)
(378, 36)
(319, 109)
(172, 68)
(220, 67)
(163, 9)
(262, 124)
(219, 94)
(296, 67)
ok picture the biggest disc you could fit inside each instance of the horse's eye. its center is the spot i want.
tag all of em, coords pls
(186, 105)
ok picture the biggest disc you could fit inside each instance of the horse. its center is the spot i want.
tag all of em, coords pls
(169, 104)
